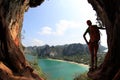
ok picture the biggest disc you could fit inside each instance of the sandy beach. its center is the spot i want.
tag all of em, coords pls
(87, 66)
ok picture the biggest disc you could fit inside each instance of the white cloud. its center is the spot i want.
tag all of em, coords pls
(46, 30)
(37, 42)
(61, 27)
(65, 25)
(33, 42)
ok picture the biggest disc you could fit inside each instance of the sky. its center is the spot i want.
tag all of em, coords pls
(58, 22)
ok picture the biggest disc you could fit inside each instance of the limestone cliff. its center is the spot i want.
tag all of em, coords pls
(65, 50)
(13, 65)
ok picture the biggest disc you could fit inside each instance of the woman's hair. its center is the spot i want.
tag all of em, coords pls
(89, 22)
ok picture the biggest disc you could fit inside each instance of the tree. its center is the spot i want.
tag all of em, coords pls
(109, 13)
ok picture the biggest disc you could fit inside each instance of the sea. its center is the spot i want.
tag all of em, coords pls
(59, 69)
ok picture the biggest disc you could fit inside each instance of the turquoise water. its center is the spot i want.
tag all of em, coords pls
(59, 70)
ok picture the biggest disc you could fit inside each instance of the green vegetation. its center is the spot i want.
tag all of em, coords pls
(82, 77)
(79, 58)
(84, 58)
(34, 65)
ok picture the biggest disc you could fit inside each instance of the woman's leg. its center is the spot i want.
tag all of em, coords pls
(95, 53)
(91, 50)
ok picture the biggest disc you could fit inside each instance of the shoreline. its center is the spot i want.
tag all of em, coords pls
(80, 64)
(61, 60)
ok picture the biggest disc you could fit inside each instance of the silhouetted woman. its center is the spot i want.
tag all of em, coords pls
(93, 43)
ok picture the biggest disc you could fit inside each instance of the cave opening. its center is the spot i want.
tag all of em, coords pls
(55, 23)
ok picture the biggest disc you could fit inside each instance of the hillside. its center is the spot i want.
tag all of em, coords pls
(64, 50)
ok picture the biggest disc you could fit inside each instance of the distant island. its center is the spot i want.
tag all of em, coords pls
(70, 52)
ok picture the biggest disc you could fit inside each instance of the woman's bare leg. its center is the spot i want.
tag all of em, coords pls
(95, 54)
(91, 49)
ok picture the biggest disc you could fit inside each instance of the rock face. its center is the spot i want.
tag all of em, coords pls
(65, 50)
(12, 60)
(73, 49)
(109, 13)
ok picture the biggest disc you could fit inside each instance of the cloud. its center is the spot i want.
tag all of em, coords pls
(65, 25)
(61, 27)
(37, 42)
(46, 30)
(33, 42)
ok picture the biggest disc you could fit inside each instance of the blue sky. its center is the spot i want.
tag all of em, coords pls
(58, 22)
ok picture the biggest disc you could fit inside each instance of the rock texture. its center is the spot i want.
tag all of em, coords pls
(109, 13)
(65, 50)
(13, 65)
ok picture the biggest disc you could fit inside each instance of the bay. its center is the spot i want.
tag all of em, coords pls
(61, 70)
(58, 69)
